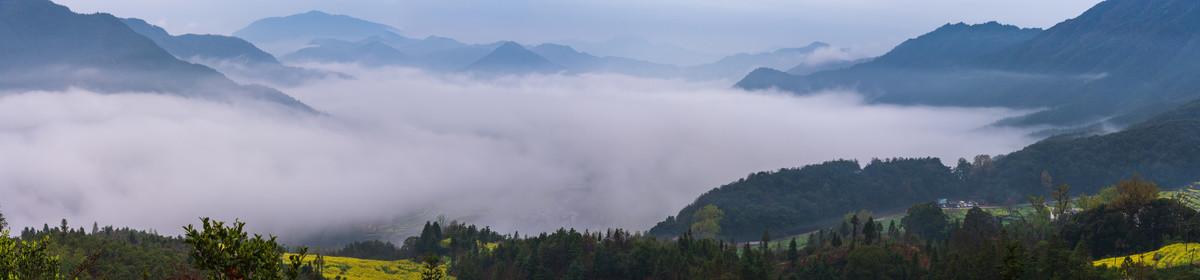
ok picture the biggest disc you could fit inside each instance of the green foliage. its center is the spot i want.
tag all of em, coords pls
(114, 253)
(925, 220)
(1108, 230)
(26, 260)
(1168, 153)
(613, 254)
(430, 269)
(707, 221)
(1062, 198)
(229, 253)
(371, 250)
(797, 200)
(1132, 194)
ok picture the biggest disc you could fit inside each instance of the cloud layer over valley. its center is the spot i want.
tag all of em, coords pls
(516, 153)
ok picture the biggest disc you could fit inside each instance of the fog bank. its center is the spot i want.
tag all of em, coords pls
(527, 153)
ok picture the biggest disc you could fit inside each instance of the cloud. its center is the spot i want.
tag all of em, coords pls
(516, 153)
(828, 54)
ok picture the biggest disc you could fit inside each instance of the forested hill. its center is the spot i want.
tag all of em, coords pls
(1165, 149)
(1120, 62)
(797, 200)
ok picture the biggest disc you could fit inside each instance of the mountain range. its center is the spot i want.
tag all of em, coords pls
(48, 47)
(229, 55)
(1118, 63)
(639, 48)
(373, 45)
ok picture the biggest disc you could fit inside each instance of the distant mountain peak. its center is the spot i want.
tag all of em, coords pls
(280, 35)
(817, 44)
(512, 58)
(510, 46)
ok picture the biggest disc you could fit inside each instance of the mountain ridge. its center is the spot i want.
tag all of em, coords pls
(49, 47)
(1082, 69)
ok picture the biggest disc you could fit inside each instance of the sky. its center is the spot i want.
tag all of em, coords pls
(715, 26)
(530, 153)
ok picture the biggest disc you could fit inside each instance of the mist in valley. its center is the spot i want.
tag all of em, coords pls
(529, 153)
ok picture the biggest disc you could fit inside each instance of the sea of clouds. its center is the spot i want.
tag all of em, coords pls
(528, 153)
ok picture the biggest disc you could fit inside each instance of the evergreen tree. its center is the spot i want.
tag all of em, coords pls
(766, 241)
(854, 230)
(430, 269)
(793, 252)
(893, 231)
(869, 230)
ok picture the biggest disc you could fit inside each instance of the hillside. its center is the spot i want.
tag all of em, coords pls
(202, 46)
(1082, 69)
(48, 47)
(953, 44)
(1173, 255)
(1165, 150)
(931, 69)
(795, 200)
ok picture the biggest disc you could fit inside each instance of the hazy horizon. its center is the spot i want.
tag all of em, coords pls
(870, 27)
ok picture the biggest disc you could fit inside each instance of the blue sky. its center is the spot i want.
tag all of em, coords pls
(718, 26)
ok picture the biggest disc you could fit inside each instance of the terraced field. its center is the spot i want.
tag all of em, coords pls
(1169, 256)
(1189, 195)
(356, 269)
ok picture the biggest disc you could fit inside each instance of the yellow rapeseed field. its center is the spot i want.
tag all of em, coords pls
(356, 269)
(1169, 256)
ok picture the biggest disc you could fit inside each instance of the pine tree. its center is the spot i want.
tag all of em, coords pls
(793, 252)
(893, 231)
(854, 231)
(766, 241)
(869, 230)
